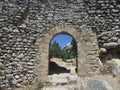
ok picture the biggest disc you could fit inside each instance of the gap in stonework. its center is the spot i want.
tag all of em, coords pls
(62, 54)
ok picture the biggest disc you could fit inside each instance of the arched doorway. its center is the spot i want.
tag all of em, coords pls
(87, 49)
(63, 54)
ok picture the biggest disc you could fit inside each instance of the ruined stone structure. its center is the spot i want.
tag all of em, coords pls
(27, 26)
(86, 45)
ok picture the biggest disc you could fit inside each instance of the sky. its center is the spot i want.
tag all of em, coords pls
(62, 39)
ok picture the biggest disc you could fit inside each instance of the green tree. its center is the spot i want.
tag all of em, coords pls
(71, 52)
(55, 50)
(74, 47)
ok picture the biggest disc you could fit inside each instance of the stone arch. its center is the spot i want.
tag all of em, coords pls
(87, 49)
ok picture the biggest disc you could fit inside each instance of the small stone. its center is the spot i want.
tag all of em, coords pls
(110, 45)
(62, 82)
(1, 66)
(20, 56)
(118, 6)
(18, 85)
(17, 76)
(30, 72)
(115, 10)
(0, 35)
(50, 14)
(32, 60)
(30, 63)
(14, 64)
(19, 80)
(118, 42)
(22, 26)
(9, 76)
(5, 28)
(14, 82)
(114, 39)
(103, 50)
(2, 77)
(31, 67)
(15, 30)
(19, 40)
(104, 37)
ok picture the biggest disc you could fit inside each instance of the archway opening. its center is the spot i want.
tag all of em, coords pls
(62, 54)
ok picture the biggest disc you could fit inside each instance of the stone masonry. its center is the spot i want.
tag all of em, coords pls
(87, 50)
(23, 23)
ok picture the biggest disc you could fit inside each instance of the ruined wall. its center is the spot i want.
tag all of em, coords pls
(104, 17)
(22, 21)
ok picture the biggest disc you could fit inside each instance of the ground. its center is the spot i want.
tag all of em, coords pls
(68, 81)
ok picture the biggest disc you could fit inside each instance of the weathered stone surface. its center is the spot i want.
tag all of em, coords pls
(92, 84)
(114, 65)
(103, 50)
(110, 45)
(1, 66)
(20, 56)
(22, 22)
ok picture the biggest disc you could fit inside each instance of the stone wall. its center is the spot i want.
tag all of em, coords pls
(22, 21)
(87, 50)
(104, 17)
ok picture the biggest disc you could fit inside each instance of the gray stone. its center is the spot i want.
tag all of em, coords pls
(118, 6)
(0, 35)
(79, 1)
(20, 55)
(14, 64)
(1, 66)
(62, 82)
(110, 45)
(9, 76)
(30, 64)
(105, 37)
(14, 82)
(2, 77)
(114, 39)
(103, 50)
(18, 85)
(17, 76)
(118, 42)
(32, 60)
(30, 67)
(93, 84)
(114, 64)
(30, 72)
(16, 31)
(116, 70)
(115, 10)
(22, 26)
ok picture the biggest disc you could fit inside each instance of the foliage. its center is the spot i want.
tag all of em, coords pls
(57, 52)
(74, 48)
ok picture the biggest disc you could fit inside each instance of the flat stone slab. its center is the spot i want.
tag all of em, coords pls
(93, 84)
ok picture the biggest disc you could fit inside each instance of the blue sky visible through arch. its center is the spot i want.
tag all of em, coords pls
(62, 39)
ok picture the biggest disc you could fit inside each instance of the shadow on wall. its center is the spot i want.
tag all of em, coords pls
(56, 69)
(109, 54)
